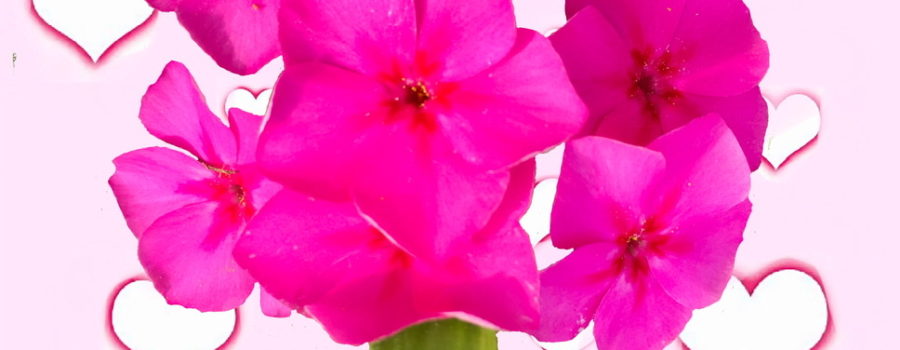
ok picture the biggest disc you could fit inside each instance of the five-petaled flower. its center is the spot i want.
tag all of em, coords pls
(645, 67)
(240, 35)
(654, 231)
(324, 259)
(189, 213)
(413, 109)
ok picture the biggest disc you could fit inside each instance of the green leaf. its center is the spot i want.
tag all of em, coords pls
(448, 334)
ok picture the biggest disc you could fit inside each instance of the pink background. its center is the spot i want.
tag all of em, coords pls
(64, 246)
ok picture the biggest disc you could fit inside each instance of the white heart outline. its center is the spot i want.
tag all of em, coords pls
(782, 145)
(727, 323)
(247, 100)
(104, 31)
(133, 289)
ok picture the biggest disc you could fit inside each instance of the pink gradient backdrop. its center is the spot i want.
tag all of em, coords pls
(64, 246)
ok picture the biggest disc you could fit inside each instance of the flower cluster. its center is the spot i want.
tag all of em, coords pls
(386, 187)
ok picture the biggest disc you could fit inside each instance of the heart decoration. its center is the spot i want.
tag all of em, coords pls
(542, 16)
(536, 220)
(141, 319)
(787, 311)
(248, 101)
(793, 124)
(94, 25)
(549, 163)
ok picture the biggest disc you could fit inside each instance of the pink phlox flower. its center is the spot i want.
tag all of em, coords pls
(645, 67)
(654, 231)
(188, 213)
(414, 110)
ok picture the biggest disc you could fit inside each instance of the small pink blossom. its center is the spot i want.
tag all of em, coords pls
(654, 231)
(240, 35)
(645, 67)
(188, 213)
(325, 260)
(414, 110)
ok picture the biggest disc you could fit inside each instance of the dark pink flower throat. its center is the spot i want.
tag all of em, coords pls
(652, 80)
(416, 93)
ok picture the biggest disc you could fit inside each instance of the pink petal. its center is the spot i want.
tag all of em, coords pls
(152, 182)
(420, 195)
(260, 187)
(571, 290)
(638, 315)
(700, 255)
(517, 199)
(298, 247)
(601, 190)
(493, 278)
(597, 61)
(629, 122)
(645, 23)
(747, 115)
(706, 170)
(323, 256)
(370, 307)
(246, 128)
(463, 38)
(164, 5)
(370, 37)
(320, 115)
(727, 55)
(523, 105)
(187, 254)
(174, 111)
(241, 36)
(271, 306)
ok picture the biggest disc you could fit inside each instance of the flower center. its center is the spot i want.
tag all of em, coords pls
(416, 93)
(646, 84)
(239, 194)
(651, 80)
(633, 244)
(229, 188)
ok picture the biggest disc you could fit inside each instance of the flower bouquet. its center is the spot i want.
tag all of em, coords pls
(382, 194)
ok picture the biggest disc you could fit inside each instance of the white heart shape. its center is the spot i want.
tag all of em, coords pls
(244, 100)
(793, 123)
(143, 320)
(549, 163)
(542, 16)
(94, 24)
(536, 220)
(787, 311)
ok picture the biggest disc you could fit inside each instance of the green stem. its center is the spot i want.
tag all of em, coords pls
(449, 334)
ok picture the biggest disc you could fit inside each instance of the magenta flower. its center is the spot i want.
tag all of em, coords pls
(240, 35)
(324, 259)
(414, 110)
(188, 213)
(654, 231)
(645, 67)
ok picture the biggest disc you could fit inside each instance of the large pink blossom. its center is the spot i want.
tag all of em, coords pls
(322, 258)
(645, 67)
(240, 35)
(654, 232)
(188, 213)
(414, 110)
